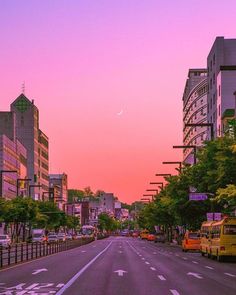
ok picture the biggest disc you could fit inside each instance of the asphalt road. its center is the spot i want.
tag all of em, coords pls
(121, 266)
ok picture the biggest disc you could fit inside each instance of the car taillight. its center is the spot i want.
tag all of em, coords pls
(222, 248)
(186, 241)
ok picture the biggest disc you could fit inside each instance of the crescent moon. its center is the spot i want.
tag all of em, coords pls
(120, 113)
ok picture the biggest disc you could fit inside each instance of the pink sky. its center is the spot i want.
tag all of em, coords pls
(85, 61)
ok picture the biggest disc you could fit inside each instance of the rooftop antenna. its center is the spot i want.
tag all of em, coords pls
(23, 87)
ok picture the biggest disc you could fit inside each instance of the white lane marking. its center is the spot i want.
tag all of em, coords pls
(120, 252)
(60, 285)
(229, 274)
(152, 268)
(32, 286)
(209, 267)
(184, 258)
(177, 255)
(83, 251)
(79, 273)
(196, 275)
(174, 292)
(147, 262)
(143, 258)
(195, 262)
(154, 252)
(38, 271)
(162, 278)
(120, 272)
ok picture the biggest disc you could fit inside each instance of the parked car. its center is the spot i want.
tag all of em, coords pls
(151, 237)
(69, 237)
(191, 241)
(38, 236)
(52, 238)
(77, 236)
(160, 238)
(61, 237)
(5, 241)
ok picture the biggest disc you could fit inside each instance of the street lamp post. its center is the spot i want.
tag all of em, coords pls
(176, 162)
(17, 183)
(1, 179)
(194, 147)
(161, 183)
(202, 125)
(149, 195)
(163, 174)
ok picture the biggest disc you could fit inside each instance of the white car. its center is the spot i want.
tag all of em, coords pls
(52, 238)
(5, 241)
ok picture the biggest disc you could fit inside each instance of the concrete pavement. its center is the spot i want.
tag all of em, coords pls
(124, 266)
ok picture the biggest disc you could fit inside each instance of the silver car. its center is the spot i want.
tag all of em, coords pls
(52, 238)
(5, 241)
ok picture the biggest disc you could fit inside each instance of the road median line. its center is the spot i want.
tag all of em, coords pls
(79, 273)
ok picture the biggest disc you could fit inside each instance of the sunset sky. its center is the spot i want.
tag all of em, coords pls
(108, 77)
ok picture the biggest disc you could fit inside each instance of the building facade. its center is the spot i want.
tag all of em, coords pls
(13, 157)
(60, 184)
(107, 203)
(221, 65)
(35, 142)
(194, 111)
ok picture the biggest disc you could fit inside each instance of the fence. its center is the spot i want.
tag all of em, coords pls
(27, 251)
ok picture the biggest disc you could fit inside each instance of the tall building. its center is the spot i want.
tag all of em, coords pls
(35, 141)
(194, 111)
(13, 157)
(221, 65)
(107, 203)
(60, 182)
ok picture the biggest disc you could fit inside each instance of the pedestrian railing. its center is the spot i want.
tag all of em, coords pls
(17, 253)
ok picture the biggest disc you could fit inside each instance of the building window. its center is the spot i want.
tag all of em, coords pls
(214, 78)
(214, 59)
(219, 90)
(219, 110)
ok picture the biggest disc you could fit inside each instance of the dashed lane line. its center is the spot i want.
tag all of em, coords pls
(162, 278)
(174, 292)
(152, 268)
(147, 262)
(230, 274)
(209, 267)
(195, 262)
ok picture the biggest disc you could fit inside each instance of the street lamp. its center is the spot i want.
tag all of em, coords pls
(194, 147)
(163, 174)
(202, 125)
(145, 199)
(1, 178)
(17, 183)
(33, 185)
(161, 183)
(177, 162)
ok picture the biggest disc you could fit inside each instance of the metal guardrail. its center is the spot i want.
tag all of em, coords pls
(28, 251)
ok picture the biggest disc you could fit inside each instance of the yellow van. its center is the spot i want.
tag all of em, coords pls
(144, 234)
(223, 238)
(205, 238)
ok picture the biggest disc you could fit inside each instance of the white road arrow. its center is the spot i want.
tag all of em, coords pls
(196, 275)
(38, 271)
(120, 272)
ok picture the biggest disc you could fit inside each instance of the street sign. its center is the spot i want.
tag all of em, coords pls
(197, 196)
(214, 216)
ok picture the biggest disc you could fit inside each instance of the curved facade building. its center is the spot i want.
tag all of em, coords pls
(194, 111)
